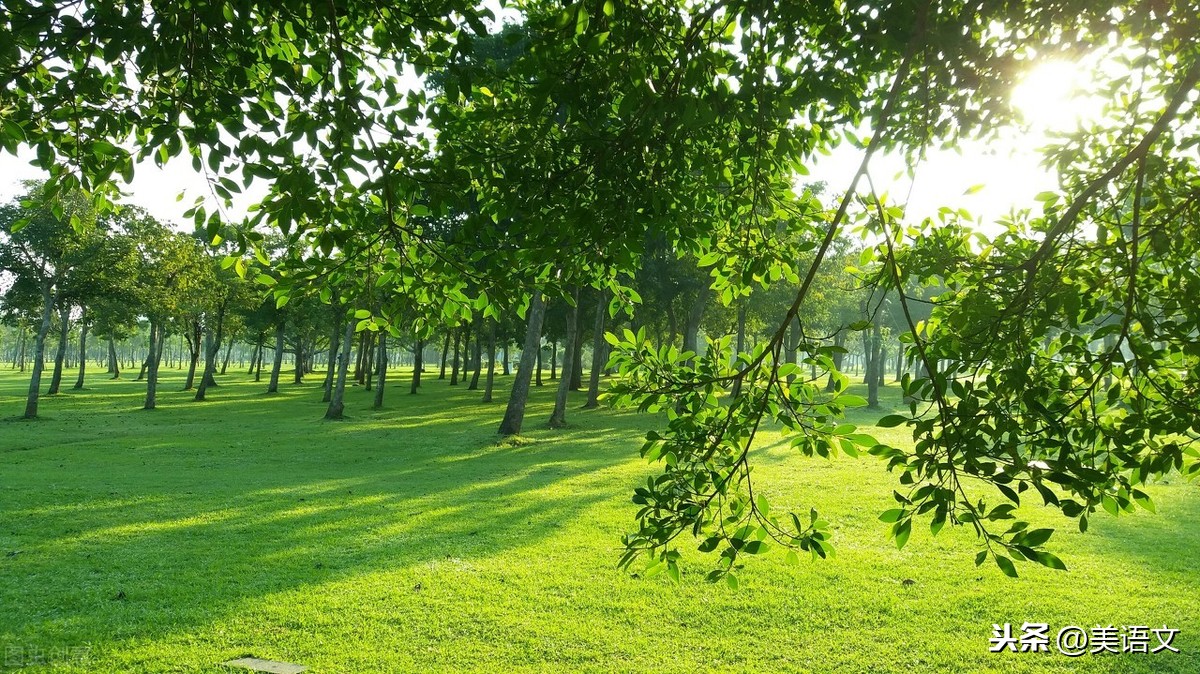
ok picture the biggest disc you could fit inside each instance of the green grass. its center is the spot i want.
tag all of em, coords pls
(409, 540)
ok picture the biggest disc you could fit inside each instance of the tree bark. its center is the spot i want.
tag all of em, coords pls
(593, 399)
(64, 324)
(193, 341)
(152, 360)
(454, 364)
(39, 353)
(114, 363)
(418, 365)
(873, 367)
(381, 369)
(337, 400)
(839, 340)
(228, 353)
(538, 360)
(212, 343)
(514, 414)
(331, 366)
(558, 418)
(83, 333)
(506, 365)
(478, 357)
(491, 375)
(691, 328)
(444, 355)
(277, 364)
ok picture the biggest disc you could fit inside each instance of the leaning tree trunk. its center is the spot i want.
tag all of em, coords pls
(558, 418)
(83, 333)
(331, 366)
(228, 352)
(277, 365)
(874, 365)
(381, 369)
(39, 353)
(156, 341)
(193, 342)
(515, 413)
(454, 364)
(337, 401)
(114, 363)
(418, 365)
(593, 399)
(64, 318)
(212, 348)
(577, 358)
(478, 357)
(491, 376)
(839, 356)
(445, 353)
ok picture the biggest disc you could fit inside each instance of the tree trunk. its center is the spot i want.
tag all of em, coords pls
(554, 359)
(301, 360)
(381, 369)
(505, 367)
(277, 364)
(64, 319)
(538, 360)
(337, 400)
(152, 360)
(331, 366)
(212, 344)
(491, 375)
(593, 399)
(83, 333)
(558, 418)
(839, 340)
(39, 353)
(691, 328)
(114, 363)
(478, 357)
(262, 351)
(228, 352)
(418, 365)
(873, 367)
(193, 341)
(515, 413)
(577, 357)
(444, 355)
(454, 364)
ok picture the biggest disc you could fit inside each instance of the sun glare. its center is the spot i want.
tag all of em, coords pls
(1049, 97)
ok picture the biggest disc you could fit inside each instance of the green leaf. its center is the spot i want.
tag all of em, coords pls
(362, 313)
(891, 420)
(892, 515)
(1046, 559)
(903, 530)
(1006, 566)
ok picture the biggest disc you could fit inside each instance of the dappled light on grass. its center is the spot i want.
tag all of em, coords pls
(235, 526)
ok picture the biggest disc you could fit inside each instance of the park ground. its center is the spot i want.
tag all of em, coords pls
(411, 540)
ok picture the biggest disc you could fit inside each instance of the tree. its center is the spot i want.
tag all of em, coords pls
(618, 124)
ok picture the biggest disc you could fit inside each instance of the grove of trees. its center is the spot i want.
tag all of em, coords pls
(627, 178)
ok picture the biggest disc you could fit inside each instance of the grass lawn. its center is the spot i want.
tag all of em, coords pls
(408, 540)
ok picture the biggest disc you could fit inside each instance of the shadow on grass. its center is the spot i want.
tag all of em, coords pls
(188, 514)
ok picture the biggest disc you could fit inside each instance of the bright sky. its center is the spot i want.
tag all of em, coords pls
(1010, 174)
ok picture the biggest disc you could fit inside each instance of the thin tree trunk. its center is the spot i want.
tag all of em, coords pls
(478, 357)
(212, 343)
(506, 368)
(277, 364)
(228, 352)
(83, 333)
(491, 375)
(64, 318)
(554, 359)
(331, 366)
(558, 418)
(337, 400)
(39, 353)
(114, 363)
(454, 364)
(193, 341)
(517, 399)
(381, 367)
(691, 328)
(873, 366)
(577, 357)
(593, 399)
(262, 351)
(839, 340)
(538, 378)
(418, 365)
(445, 353)
(152, 360)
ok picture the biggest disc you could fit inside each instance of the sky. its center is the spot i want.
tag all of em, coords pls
(1009, 172)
